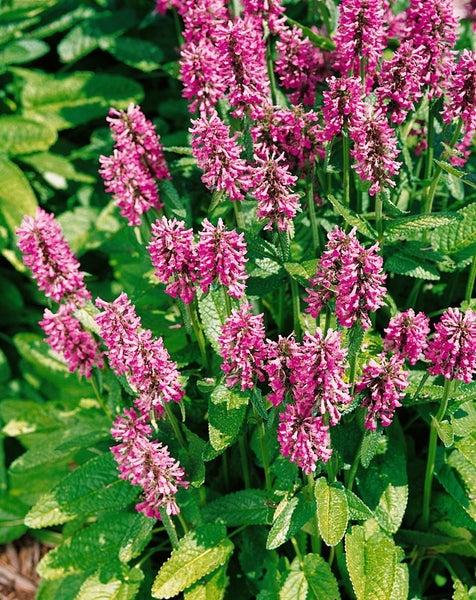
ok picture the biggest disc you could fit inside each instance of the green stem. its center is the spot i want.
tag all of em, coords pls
(353, 469)
(432, 444)
(296, 308)
(297, 550)
(175, 426)
(244, 462)
(183, 522)
(315, 536)
(100, 399)
(471, 279)
(197, 329)
(379, 216)
(312, 210)
(346, 167)
(169, 527)
(270, 67)
(430, 138)
(227, 300)
(264, 455)
(238, 214)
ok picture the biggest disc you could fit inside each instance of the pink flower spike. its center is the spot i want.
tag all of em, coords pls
(452, 351)
(406, 335)
(242, 348)
(343, 103)
(174, 256)
(384, 383)
(222, 256)
(147, 464)
(47, 254)
(67, 337)
(277, 366)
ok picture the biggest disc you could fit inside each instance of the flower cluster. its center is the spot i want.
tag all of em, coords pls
(406, 335)
(137, 162)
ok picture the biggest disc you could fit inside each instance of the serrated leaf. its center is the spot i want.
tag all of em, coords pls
(211, 587)
(444, 430)
(226, 413)
(17, 198)
(295, 586)
(446, 467)
(383, 486)
(199, 553)
(402, 263)
(65, 101)
(353, 219)
(124, 588)
(91, 488)
(245, 507)
(302, 271)
(94, 547)
(358, 510)
(140, 54)
(408, 226)
(369, 446)
(467, 447)
(310, 580)
(372, 562)
(213, 314)
(290, 516)
(332, 511)
(456, 236)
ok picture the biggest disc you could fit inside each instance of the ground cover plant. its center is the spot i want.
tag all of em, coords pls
(238, 329)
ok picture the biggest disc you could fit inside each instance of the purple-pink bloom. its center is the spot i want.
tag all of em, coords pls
(384, 383)
(406, 335)
(278, 366)
(303, 436)
(272, 183)
(343, 102)
(452, 350)
(66, 335)
(136, 164)
(148, 464)
(219, 156)
(271, 12)
(375, 150)
(222, 256)
(242, 347)
(174, 257)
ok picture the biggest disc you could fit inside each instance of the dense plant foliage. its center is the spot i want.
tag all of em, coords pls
(238, 329)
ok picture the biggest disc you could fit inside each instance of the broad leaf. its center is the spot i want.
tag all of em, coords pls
(226, 413)
(140, 54)
(245, 507)
(124, 588)
(353, 219)
(212, 309)
(211, 587)
(17, 198)
(410, 225)
(290, 516)
(311, 580)
(200, 552)
(332, 511)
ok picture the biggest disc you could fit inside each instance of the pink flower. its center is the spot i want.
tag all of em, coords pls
(384, 383)
(278, 366)
(174, 256)
(452, 351)
(270, 11)
(143, 359)
(47, 254)
(218, 156)
(406, 335)
(201, 18)
(135, 165)
(375, 150)
(242, 347)
(222, 256)
(147, 464)
(67, 336)
(303, 436)
(343, 103)
(272, 183)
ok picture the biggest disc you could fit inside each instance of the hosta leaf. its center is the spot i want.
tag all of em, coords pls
(246, 507)
(124, 588)
(65, 101)
(17, 198)
(141, 54)
(94, 547)
(373, 563)
(290, 516)
(211, 587)
(383, 486)
(332, 511)
(91, 488)
(23, 50)
(226, 412)
(200, 552)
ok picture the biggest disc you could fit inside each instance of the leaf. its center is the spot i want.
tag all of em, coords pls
(383, 486)
(311, 580)
(245, 507)
(65, 101)
(332, 511)
(407, 226)
(91, 488)
(290, 516)
(56, 169)
(226, 413)
(23, 50)
(302, 271)
(12, 514)
(372, 560)
(19, 135)
(370, 443)
(358, 510)
(211, 587)
(140, 54)
(17, 198)
(458, 235)
(123, 588)
(446, 467)
(199, 553)
(213, 314)
(318, 40)
(353, 219)
(444, 430)
(463, 418)
(295, 586)
(412, 261)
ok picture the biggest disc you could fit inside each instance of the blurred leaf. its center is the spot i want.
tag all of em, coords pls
(318, 40)
(17, 198)
(12, 514)
(22, 51)
(140, 54)
(56, 169)
(24, 136)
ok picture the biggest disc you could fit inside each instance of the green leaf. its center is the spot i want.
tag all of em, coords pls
(318, 40)
(199, 553)
(12, 514)
(91, 488)
(353, 219)
(463, 491)
(302, 271)
(19, 135)
(124, 588)
(226, 413)
(408, 226)
(445, 431)
(140, 54)
(290, 516)
(213, 314)
(56, 169)
(17, 198)
(461, 591)
(311, 580)
(211, 587)
(458, 235)
(65, 101)
(463, 418)
(413, 261)
(295, 586)
(370, 444)
(91, 548)
(245, 507)
(332, 511)
(383, 486)
(358, 510)
(372, 560)
(23, 50)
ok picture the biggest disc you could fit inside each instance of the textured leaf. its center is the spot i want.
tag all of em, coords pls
(200, 552)
(226, 412)
(407, 226)
(322, 584)
(91, 488)
(302, 271)
(358, 510)
(212, 309)
(445, 471)
(332, 511)
(12, 514)
(16, 195)
(383, 486)
(295, 586)
(353, 219)
(211, 587)
(290, 516)
(19, 135)
(463, 418)
(372, 561)
(404, 263)
(458, 235)
(65, 101)
(246, 507)
(370, 444)
(467, 447)
(125, 588)
(141, 54)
